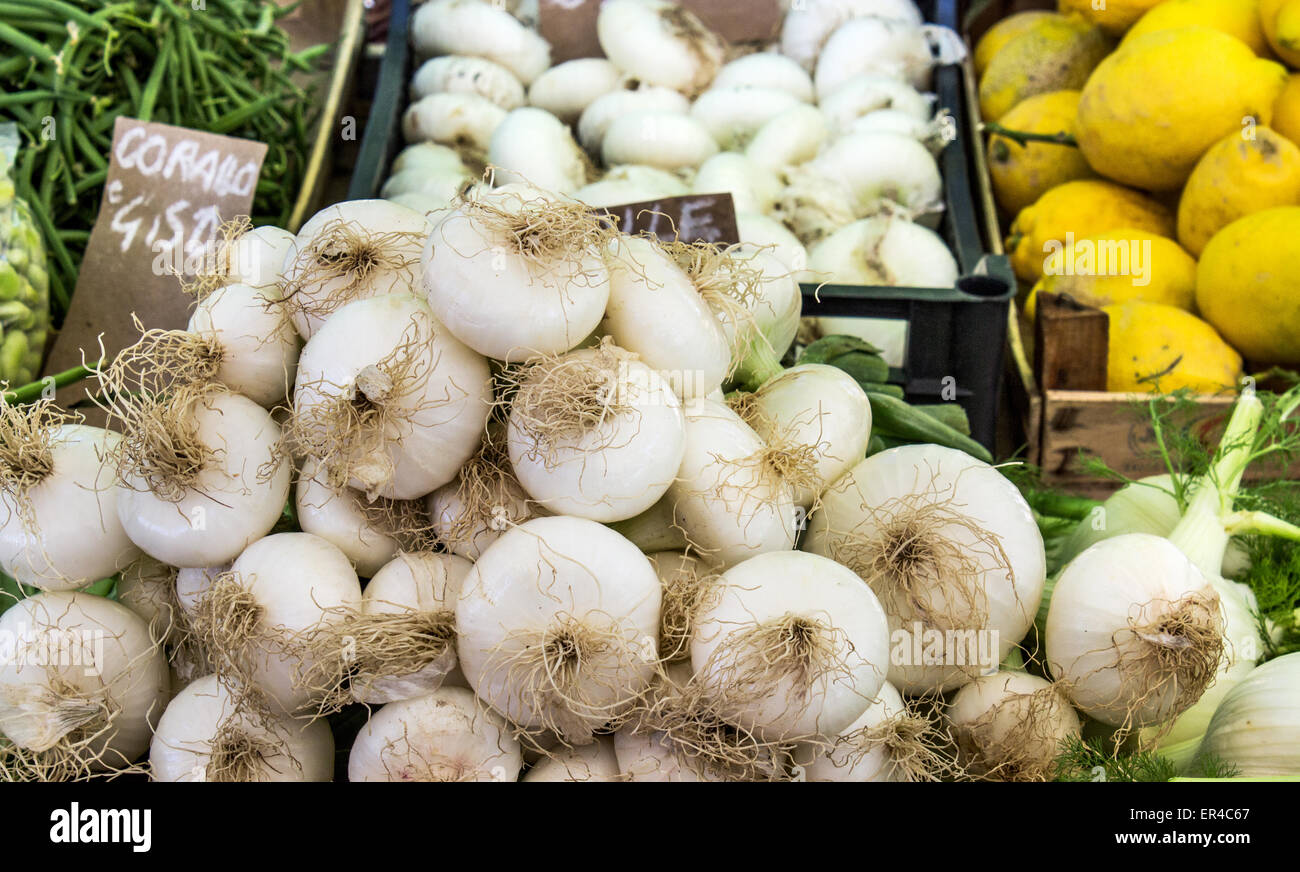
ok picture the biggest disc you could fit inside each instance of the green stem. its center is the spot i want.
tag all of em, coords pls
(1023, 137)
(1243, 523)
(760, 365)
(30, 393)
(1202, 534)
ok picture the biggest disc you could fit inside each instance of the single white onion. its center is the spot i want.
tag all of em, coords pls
(659, 42)
(518, 273)
(204, 735)
(61, 532)
(81, 683)
(608, 469)
(558, 626)
(390, 353)
(443, 736)
(949, 546)
(794, 645)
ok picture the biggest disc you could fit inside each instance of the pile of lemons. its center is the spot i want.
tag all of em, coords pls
(1174, 202)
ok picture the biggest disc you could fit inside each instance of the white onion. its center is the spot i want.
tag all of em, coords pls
(1134, 631)
(250, 330)
(557, 626)
(753, 188)
(880, 167)
(421, 589)
(660, 139)
(390, 353)
(602, 111)
(660, 43)
(606, 470)
(1011, 726)
(532, 146)
(340, 517)
(567, 89)
(351, 251)
(481, 29)
(631, 183)
(790, 138)
(951, 549)
(594, 762)
(61, 530)
(864, 94)
(874, 45)
(81, 682)
(766, 70)
(656, 312)
(257, 257)
(820, 416)
(809, 23)
(452, 74)
(443, 736)
(734, 115)
(463, 121)
(730, 502)
(259, 618)
(204, 735)
(884, 250)
(518, 273)
(235, 496)
(795, 645)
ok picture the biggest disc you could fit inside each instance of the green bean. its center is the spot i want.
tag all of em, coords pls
(94, 180)
(56, 247)
(25, 44)
(150, 94)
(231, 120)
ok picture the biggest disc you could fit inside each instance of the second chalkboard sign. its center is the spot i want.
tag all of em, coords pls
(692, 218)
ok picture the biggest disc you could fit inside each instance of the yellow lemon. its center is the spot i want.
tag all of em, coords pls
(1114, 16)
(1242, 173)
(1162, 349)
(1239, 18)
(1122, 265)
(997, 36)
(1054, 53)
(1023, 173)
(1083, 208)
(1280, 20)
(1286, 111)
(1161, 100)
(1248, 285)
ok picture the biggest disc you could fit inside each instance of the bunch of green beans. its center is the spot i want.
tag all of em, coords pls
(69, 68)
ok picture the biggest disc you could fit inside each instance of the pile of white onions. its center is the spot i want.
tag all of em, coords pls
(561, 515)
(826, 139)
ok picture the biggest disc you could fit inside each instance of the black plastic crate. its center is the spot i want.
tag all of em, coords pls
(955, 336)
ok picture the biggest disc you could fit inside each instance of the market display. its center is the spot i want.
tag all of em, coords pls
(468, 483)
